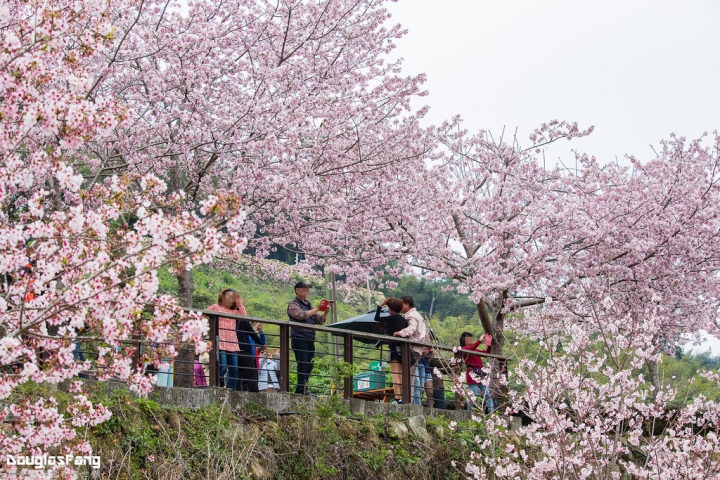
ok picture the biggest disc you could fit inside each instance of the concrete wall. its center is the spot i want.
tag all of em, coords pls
(285, 402)
(194, 398)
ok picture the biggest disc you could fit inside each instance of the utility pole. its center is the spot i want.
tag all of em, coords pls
(369, 296)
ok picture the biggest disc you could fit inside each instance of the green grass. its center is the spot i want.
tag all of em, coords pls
(143, 440)
(263, 298)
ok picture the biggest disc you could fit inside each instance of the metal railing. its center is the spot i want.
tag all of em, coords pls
(352, 350)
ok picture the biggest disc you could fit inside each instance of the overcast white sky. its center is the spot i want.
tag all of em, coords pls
(636, 70)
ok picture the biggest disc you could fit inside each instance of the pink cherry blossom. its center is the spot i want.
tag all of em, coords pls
(138, 137)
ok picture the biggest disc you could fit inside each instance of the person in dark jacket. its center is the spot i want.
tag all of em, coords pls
(247, 369)
(302, 340)
(393, 323)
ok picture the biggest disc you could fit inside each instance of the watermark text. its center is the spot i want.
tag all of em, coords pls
(44, 461)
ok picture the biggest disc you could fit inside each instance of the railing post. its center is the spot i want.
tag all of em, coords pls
(215, 352)
(136, 351)
(348, 357)
(405, 360)
(458, 389)
(284, 358)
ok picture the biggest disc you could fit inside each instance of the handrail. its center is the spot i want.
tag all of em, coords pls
(285, 326)
(341, 332)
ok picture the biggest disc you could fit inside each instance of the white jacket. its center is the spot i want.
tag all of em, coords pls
(266, 377)
(415, 330)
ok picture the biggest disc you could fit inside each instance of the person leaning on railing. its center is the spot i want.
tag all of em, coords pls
(228, 346)
(393, 323)
(415, 330)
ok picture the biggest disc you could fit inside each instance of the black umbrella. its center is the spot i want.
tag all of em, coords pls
(363, 323)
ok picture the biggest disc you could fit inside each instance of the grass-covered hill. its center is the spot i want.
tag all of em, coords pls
(262, 297)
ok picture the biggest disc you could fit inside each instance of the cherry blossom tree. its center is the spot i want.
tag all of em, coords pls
(289, 106)
(653, 240)
(608, 267)
(497, 213)
(91, 269)
(132, 132)
(513, 233)
(592, 415)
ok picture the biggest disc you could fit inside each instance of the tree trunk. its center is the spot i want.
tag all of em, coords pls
(654, 372)
(485, 319)
(184, 362)
(186, 287)
(56, 196)
(499, 389)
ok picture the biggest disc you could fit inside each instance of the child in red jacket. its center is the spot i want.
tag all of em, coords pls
(474, 372)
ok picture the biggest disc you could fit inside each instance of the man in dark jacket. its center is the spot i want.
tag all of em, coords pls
(247, 369)
(302, 340)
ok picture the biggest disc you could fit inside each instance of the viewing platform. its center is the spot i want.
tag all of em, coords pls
(361, 349)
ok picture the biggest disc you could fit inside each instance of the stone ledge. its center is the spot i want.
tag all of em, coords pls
(285, 402)
(195, 398)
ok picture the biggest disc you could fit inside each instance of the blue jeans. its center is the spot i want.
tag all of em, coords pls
(78, 353)
(164, 377)
(229, 367)
(481, 391)
(422, 375)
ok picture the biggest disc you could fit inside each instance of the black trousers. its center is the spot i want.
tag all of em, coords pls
(247, 372)
(304, 351)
